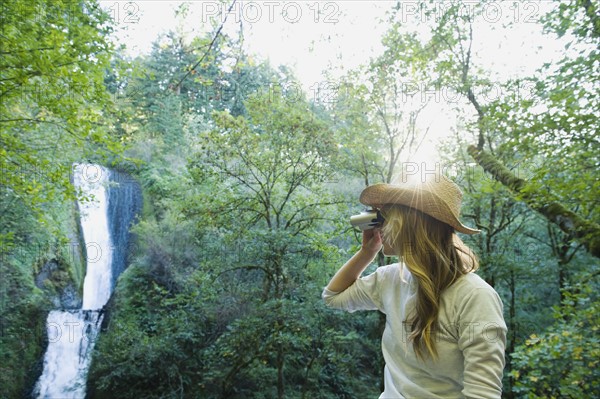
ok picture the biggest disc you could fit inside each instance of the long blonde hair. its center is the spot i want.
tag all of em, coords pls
(436, 258)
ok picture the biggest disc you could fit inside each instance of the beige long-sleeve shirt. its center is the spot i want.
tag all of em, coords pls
(470, 338)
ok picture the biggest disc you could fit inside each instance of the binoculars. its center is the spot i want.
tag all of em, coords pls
(367, 220)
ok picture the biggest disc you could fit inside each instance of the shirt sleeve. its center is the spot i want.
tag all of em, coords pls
(363, 294)
(482, 339)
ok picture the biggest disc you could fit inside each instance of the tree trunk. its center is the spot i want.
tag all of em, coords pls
(585, 231)
(280, 383)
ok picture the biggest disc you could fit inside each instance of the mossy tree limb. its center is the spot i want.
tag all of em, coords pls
(585, 231)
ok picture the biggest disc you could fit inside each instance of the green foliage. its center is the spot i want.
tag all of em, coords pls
(186, 321)
(562, 362)
(579, 17)
(53, 98)
(154, 342)
(23, 334)
(272, 165)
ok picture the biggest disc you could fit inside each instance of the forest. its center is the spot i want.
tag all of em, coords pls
(248, 183)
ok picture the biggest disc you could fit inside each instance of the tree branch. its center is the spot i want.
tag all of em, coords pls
(178, 85)
(585, 231)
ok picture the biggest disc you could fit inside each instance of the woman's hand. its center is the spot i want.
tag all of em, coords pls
(372, 241)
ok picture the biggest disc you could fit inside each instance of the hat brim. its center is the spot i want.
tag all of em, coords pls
(421, 199)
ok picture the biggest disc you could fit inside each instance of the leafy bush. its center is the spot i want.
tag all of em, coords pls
(563, 362)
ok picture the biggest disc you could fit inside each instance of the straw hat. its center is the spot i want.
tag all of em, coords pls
(436, 196)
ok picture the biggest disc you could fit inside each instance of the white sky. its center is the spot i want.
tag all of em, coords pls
(306, 35)
(327, 38)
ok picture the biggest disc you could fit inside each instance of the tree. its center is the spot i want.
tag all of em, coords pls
(272, 167)
(53, 98)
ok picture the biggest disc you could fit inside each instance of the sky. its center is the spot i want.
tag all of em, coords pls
(306, 35)
(321, 40)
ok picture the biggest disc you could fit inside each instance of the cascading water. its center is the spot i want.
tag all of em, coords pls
(72, 334)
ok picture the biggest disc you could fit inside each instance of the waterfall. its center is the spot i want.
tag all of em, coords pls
(71, 337)
(97, 286)
(72, 333)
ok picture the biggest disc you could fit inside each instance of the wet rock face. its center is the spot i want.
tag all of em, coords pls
(124, 204)
(70, 299)
(58, 287)
(47, 269)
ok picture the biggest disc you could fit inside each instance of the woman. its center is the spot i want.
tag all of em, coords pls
(445, 333)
